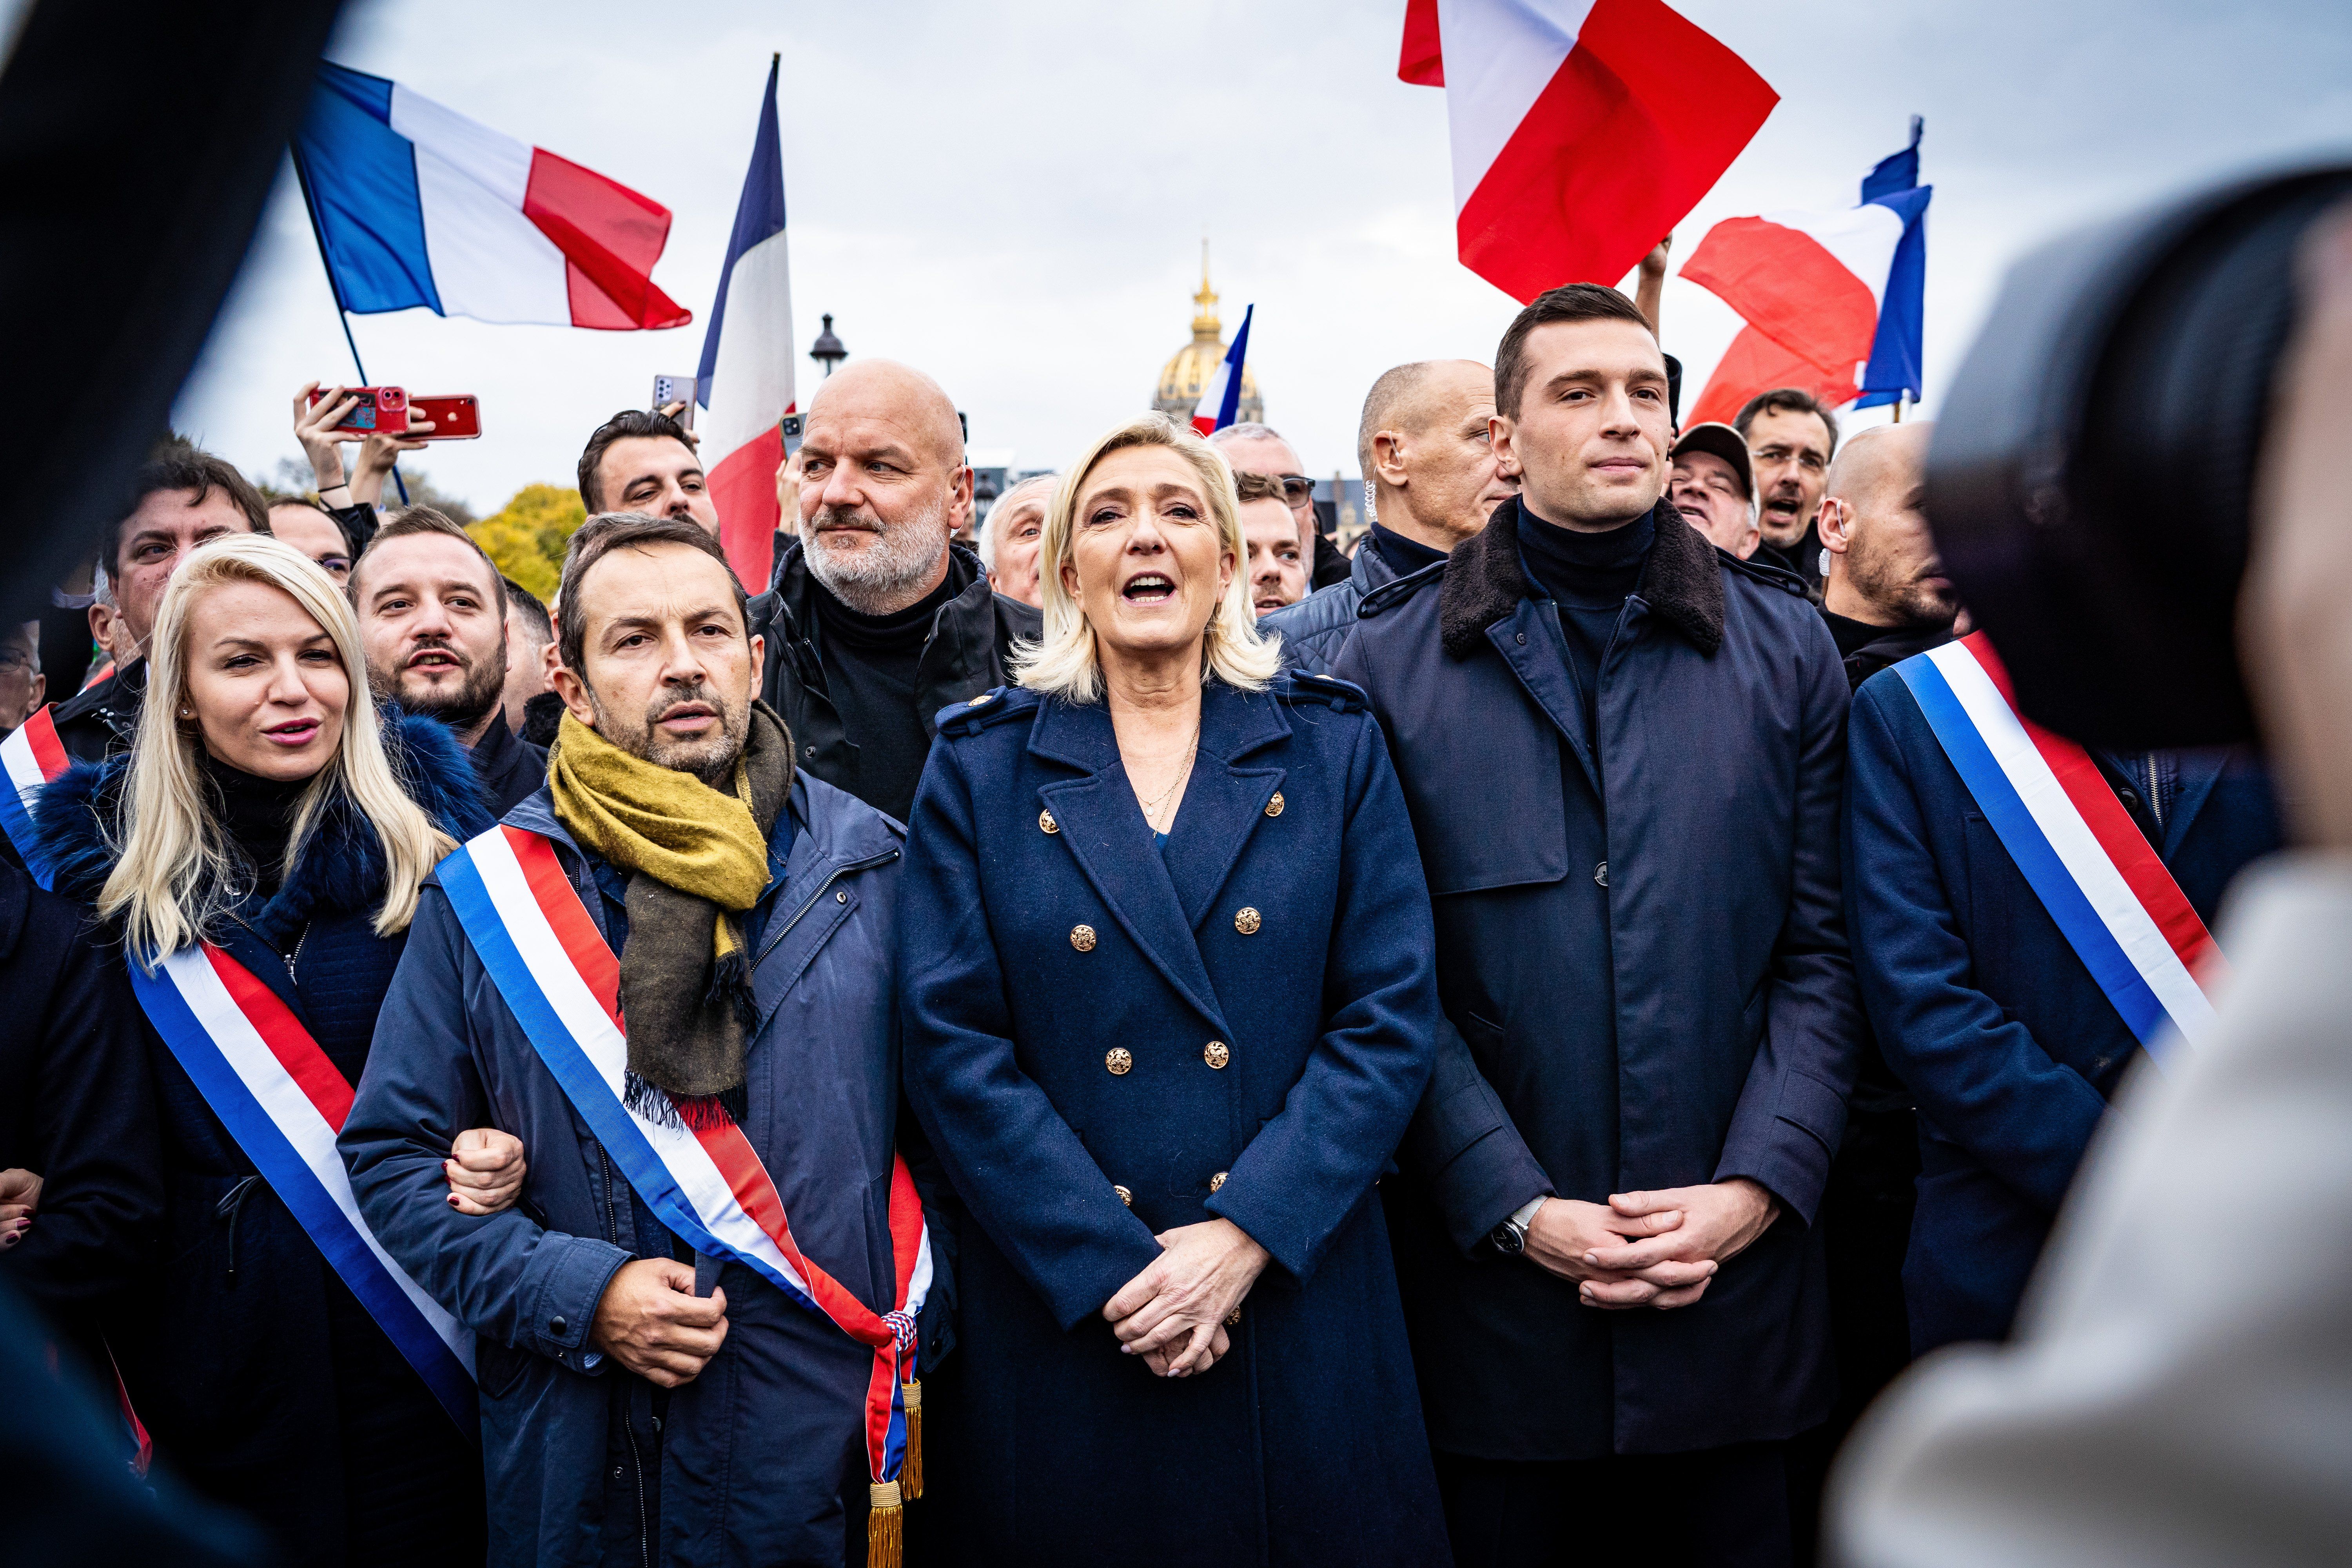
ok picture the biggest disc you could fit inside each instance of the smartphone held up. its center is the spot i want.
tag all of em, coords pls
(390, 411)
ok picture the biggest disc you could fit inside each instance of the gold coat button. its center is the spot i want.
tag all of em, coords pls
(1124, 1195)
(1119, 1062)
(1217, 1181)
(1246, 921)
(1274, 806)
(1046, 823)
(1215, 1054)
(983, 699)
(1083, 938)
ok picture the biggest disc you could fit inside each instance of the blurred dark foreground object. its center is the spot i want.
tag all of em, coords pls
(2093, 462)
(137, 145)
(72, 1496)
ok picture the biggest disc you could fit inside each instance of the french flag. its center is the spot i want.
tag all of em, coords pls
(1583, 131)
(746, 380)
(1834, 301)
(416, 205)
(1222, 398)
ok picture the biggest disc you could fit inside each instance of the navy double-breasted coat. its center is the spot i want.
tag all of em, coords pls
(1642, 943)
(1983, 1009)
(1105, 1044)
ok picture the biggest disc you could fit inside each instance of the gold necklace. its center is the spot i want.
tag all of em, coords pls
(1151, 807)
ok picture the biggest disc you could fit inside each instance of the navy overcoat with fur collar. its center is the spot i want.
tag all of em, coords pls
(246, 1358)
(1656, 994)
(1105, 1043)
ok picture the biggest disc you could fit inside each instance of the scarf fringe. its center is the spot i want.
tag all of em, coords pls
(695, 1112)
(730, 987)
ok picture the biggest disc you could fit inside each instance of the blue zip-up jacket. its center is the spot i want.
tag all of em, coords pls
(750, 1461)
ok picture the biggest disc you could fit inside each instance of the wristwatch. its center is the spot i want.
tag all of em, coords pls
(1510, 1238)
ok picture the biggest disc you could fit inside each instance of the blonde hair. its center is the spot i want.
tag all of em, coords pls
(170, 882)
(1065, 661)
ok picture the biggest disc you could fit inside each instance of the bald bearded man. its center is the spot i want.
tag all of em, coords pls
(1423, 442)
(1886, 596)
(875, 619)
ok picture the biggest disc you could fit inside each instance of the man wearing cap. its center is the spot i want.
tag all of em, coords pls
(1714, 486)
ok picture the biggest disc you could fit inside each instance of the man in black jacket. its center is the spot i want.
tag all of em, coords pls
(432, 616)
(1622, 752)
(179, 499)
(876, 620)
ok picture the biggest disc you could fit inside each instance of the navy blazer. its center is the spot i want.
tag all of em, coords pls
(1104, 1045)
(1655, 994)
(1983, 1009)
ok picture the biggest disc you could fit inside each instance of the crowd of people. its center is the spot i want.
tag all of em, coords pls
(1161, 1039)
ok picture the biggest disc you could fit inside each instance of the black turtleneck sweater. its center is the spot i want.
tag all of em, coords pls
(257, 814)
(869, 676)
(1404, 556)
(1587, 577)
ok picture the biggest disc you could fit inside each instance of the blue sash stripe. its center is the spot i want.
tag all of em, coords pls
(2005, 810)
(18, 824)
(320, 1218)
(578, 1077)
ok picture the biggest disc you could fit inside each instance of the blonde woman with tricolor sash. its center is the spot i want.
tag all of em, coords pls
(255, 858)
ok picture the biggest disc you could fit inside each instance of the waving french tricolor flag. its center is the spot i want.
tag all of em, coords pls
(1222, 398)
(416, 205)
(1834, 300)
(745, 379)
(1583, 131)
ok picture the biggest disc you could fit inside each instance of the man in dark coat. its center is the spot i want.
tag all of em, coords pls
(639, 1403)
(874, 620)
(1425, 449)
(1979, 1004)
(179, 499)
(1605, 1237)
(433, 619)
(1791, 437)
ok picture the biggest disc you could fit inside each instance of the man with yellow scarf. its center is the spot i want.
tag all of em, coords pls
(669, 972)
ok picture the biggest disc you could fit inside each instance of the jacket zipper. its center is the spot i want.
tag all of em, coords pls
(838, 873)
(2155, 804)
(294, 958)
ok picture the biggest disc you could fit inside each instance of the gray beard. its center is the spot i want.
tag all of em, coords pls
(891, 572)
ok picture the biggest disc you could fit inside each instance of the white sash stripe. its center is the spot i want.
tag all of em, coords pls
(2077, 847)
(291, 1111)
(680, 1152)
(23, 768)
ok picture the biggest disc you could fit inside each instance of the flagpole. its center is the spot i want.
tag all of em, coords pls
(334, 287)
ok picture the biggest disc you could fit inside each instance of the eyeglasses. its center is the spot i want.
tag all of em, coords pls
(1297, 491)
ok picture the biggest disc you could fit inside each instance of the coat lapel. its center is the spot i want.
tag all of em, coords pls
(1225, 801)
(1531, 643)
(2195, 774)
(1106, 833)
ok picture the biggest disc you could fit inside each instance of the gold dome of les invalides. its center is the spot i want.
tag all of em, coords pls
(1187, 372)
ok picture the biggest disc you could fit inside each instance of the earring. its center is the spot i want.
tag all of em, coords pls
(186, 713)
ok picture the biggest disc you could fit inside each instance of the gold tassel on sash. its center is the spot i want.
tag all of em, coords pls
(885, 1533)
(910, 1475)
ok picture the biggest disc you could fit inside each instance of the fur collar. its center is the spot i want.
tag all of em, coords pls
(1484, 580)
(341, 869)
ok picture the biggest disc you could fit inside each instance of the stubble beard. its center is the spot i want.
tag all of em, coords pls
(481, 689)
(887, 574)
(711, 759)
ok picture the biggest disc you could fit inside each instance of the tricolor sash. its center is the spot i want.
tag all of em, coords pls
(2104, 886)
(31, 757)
(284, 1102)
(561, 980)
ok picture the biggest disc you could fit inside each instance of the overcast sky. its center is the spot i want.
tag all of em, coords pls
(1013, 196)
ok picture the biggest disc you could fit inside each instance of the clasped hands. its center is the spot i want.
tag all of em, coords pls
(1173, 1314)
(1649, 1249)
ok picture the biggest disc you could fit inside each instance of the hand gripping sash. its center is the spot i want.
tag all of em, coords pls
(284, 1102)
(30, 758)
(2106, 888)
(561, 980)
